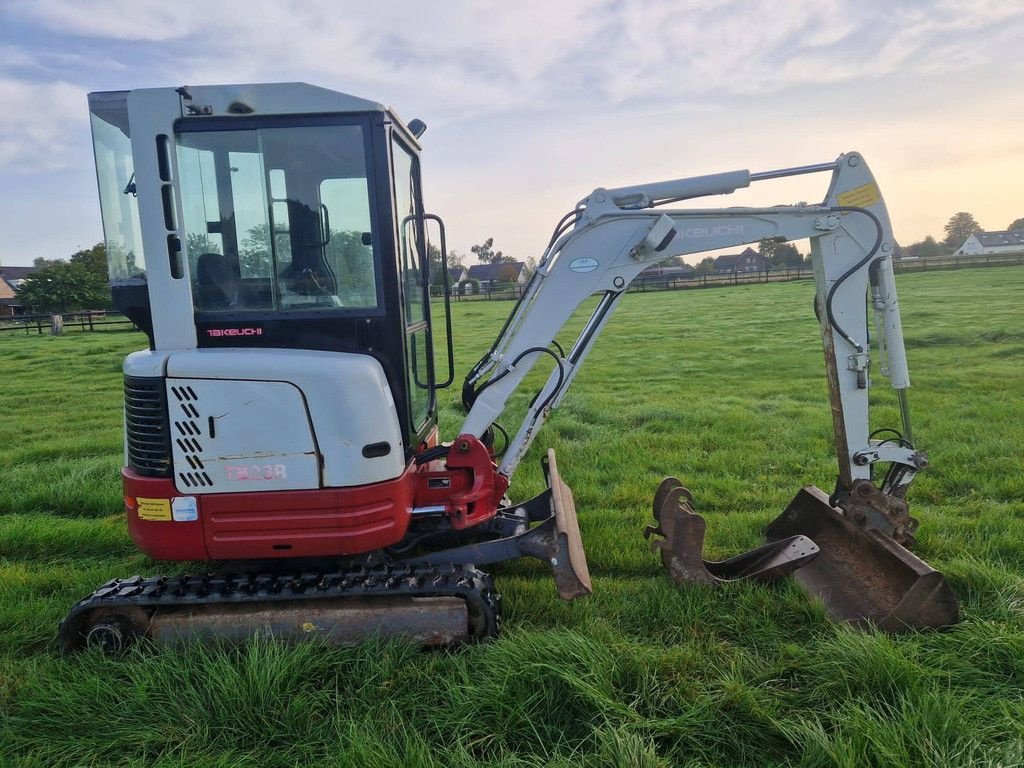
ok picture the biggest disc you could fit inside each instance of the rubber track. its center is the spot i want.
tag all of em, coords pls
(391, 580)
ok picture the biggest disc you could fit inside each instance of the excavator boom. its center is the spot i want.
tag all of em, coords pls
(611, 237)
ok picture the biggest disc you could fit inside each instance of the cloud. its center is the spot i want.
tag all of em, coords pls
(149, 20)
(472, 57)
(38, 124)
(537, 92)
(48, 64)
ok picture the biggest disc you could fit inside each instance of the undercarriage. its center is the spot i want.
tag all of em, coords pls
(431, 598)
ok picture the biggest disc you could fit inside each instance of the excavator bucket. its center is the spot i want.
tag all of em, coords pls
(683, 545)
(863, 576)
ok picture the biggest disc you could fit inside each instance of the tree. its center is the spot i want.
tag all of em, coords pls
(1018, 224)
(706, 266)
(786, 255)
(766, 248)
(959, 227)
(93, 259)
(437, 263)
(352, 262)
(487, 255)
(437, 266)
(926, 249)
(67, 286)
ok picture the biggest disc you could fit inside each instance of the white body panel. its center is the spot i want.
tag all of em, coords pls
(146, 363)
(345, 396)
(231, 436)
(152, 113)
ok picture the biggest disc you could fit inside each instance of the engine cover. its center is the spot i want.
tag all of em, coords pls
(276, 420)
(231, 435)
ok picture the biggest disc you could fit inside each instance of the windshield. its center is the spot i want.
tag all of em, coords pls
(278, 219)
(119, 208)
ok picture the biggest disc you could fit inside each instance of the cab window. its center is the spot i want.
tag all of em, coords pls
(279, 219)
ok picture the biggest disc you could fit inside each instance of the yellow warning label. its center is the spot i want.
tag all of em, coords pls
(860, 197)
(154, 509)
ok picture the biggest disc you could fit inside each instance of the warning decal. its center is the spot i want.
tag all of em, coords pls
(860, 197)
(154, 509)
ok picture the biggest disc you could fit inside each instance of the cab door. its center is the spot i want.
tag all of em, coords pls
(419, 348)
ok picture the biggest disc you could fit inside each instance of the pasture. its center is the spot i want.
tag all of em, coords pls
(722, 387)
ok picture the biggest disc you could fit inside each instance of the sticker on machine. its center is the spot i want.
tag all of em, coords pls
(185, 509)
(860, 197)
(584, 264)
(154, 509)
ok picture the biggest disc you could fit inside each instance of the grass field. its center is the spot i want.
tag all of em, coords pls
(723, 387)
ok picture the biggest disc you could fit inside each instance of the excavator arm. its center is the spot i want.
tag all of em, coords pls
(848, 548)
(617, 233)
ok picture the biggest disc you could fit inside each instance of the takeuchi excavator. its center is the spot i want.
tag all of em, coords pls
(271, 241)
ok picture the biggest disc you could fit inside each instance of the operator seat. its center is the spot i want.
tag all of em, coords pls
(218, 281)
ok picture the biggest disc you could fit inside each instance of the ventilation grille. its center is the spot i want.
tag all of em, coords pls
(186, 437)
(145, 421)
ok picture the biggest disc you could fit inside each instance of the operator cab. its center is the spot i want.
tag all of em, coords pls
(274, 216)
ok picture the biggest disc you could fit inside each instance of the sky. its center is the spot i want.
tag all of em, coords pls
(531, 105)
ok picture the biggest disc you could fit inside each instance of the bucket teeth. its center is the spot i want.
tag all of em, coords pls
(682, 545)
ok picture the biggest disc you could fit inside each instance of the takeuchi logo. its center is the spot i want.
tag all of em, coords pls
(715, 230)
(234, 332)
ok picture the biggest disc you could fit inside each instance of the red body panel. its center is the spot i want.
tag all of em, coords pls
(316, 523)
(329, 521)
(160, 539)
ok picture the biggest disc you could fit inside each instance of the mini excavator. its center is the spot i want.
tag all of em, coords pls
(271, 241)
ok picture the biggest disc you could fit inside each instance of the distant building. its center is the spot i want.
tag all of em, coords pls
(747, 261)
(11, 279)
(491, 275)
(983, 243)
(456, 275)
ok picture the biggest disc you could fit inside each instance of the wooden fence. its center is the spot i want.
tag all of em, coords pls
(94, 320)
(106, 320)
(959, 262)
(650, 283)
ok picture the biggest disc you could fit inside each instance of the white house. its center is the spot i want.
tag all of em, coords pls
(983, 243)
(490, 275)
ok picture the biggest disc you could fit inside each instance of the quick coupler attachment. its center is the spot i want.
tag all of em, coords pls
(545, 527)
(682, 545)
(864, 576)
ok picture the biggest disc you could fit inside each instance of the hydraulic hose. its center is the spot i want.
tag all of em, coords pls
(859, 265)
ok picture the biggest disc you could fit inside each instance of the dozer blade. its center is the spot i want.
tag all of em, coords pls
(568, 559)
(863, 576)
(683, 545)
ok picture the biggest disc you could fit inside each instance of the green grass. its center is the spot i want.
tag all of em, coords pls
(722, 387)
